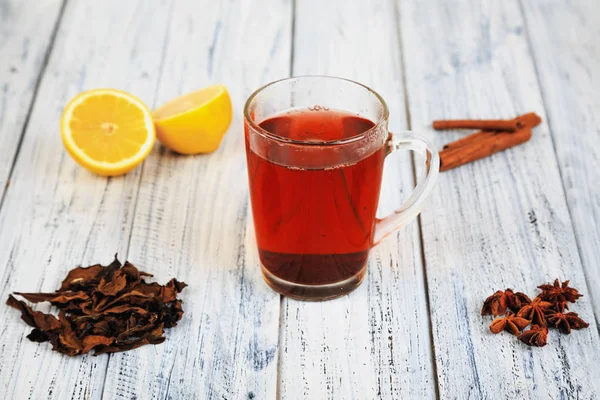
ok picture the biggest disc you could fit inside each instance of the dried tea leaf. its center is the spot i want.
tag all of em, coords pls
(111, 286)
(136, 329)
(36, 319)
(75, 307)
(82, 326)
(116, 349)
(164, 293)
(134, 344)
(107, 309)
(148, 289)
(66, 341)
(99, 302)
(123, 309)
(56, 297)
(172, 313)
(133, 297)
(133, 274)
(38, 336)
(81, 277)
(170, 291)
(110, 269)
(158, 331)
(179, 286)
(91, 341)
(101, 327)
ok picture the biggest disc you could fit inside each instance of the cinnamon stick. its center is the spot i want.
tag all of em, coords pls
(485, 143)
(509, 125)
(505, 125)
(529, 119)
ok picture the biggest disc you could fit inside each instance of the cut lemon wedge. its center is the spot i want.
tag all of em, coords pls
(107, 131)
(196, 122)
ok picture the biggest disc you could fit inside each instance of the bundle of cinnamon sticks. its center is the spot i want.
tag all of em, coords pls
(495, 136)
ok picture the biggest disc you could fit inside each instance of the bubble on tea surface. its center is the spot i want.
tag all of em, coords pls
(339, 166)
(315, 140)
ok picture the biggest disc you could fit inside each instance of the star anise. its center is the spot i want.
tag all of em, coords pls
(496, 304)
(510, 323)
(534, 311)
(559, 294)
(499, 302)
(516, 300)
(560, 306)
(536, 336)
(565, 322)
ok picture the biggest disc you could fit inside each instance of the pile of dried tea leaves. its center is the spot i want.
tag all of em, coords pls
(108, 309)
(517, 311)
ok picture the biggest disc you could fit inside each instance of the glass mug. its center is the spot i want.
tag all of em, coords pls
(315, 147)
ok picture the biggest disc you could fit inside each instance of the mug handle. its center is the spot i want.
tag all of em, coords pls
(413, 206)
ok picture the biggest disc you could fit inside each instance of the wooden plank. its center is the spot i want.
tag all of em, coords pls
(192, 219)
(26, 35)
(374, 342)
(56, 214)
(566, 60)
(500, 222)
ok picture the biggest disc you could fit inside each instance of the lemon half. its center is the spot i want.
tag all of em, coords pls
(196, 122)
(107, 131)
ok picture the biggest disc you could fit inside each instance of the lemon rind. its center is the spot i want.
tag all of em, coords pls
(222, 89)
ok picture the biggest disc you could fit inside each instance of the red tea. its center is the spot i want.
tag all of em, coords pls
(314, 226)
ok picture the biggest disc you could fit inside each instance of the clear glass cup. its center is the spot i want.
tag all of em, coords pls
(315, 148)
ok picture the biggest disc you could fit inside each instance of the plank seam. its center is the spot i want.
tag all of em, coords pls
(293, 36)
(36, 88)
(560, 172)
(419, 221)
(141, 173)
(280, 350)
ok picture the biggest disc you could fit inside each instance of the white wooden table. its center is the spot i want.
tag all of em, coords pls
(413, 329)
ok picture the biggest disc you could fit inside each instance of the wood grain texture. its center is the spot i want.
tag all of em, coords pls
(374, 342)
(55, 214)
(192, 218)
(500, 222)
(568, 65)
(26, 35)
